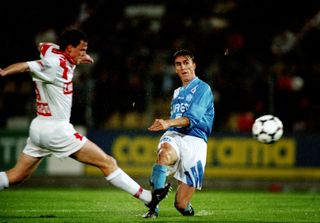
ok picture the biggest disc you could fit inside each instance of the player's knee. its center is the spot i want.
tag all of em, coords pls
(163, 158)
(165, 154)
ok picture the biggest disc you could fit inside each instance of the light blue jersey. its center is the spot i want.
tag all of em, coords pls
(194, 101)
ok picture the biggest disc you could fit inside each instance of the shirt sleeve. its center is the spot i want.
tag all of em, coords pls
(43, 70)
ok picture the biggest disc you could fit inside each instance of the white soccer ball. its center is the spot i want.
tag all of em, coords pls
(267, 129)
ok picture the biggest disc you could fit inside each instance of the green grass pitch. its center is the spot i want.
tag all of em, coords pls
(111, 205)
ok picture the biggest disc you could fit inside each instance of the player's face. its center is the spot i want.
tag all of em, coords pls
(185, 68)
(78, 52)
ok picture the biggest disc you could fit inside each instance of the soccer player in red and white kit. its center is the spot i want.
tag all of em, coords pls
(51, 132)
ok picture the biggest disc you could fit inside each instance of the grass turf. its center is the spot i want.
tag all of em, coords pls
(110, 205)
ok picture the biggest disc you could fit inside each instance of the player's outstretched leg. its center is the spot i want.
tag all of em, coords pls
(157, 196)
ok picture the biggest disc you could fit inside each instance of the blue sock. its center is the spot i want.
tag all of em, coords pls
(159, 176)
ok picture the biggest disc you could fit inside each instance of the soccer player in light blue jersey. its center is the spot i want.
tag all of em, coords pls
(182, 149)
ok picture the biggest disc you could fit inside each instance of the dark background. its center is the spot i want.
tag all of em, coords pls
(133, 74)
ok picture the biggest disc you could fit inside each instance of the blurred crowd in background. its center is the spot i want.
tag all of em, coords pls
(260, 57)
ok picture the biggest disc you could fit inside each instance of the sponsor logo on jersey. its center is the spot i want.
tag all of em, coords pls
(180, 107)
(68, 88)
(43, 109)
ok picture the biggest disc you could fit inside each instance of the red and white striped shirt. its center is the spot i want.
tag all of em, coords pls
(53, 75)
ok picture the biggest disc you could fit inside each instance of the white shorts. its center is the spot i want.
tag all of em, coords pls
(192, 155)
(53, 137)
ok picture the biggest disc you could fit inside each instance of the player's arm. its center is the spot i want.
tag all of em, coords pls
(161, 124)
(86, 59)
(15, 68)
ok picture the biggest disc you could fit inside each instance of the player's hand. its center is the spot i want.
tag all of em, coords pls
(86, 59)
(158, 125)
(2, 72)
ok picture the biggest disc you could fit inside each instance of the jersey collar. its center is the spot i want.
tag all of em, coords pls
(191, 83)
(67, 56)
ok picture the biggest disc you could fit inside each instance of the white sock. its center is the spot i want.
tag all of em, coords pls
(121, 180)
(4, 181)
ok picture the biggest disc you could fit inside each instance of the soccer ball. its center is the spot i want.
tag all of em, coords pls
(267, 129)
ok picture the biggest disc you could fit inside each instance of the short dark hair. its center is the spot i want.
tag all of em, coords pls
(71, 37)
(183, 52)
